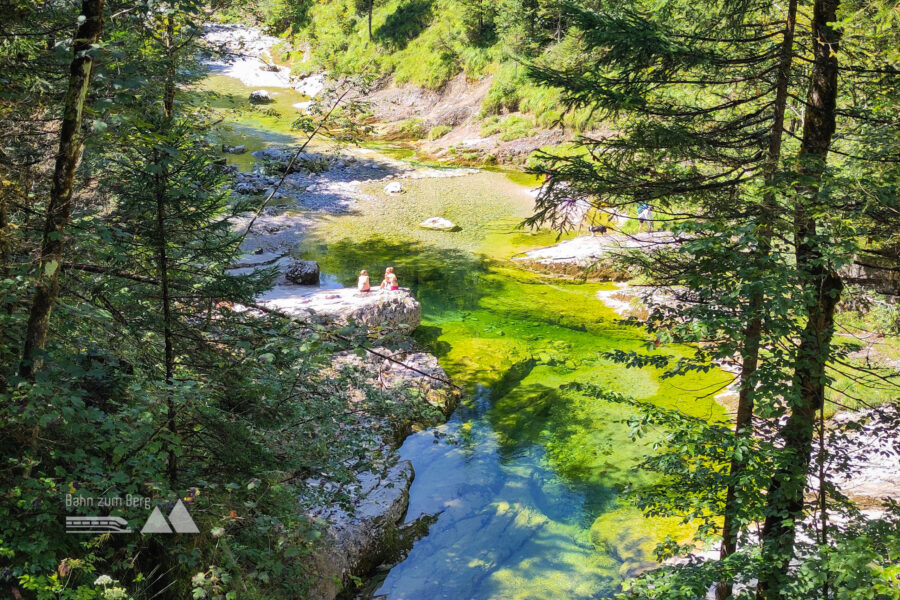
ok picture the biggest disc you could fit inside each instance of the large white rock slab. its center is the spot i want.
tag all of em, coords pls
(588, 249)
(397, 309)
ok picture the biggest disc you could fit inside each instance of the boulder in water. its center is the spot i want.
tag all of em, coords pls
(394, 309)
(438, 223)
(303, 272)
(261, 97)
(234, 149)
(393, 187)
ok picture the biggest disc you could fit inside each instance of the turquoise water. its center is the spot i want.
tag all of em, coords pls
(525, 477)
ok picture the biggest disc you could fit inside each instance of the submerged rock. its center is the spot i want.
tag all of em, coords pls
(260, 97)
(438, 223)
(393, 187)
(234, 149)
(303, 272)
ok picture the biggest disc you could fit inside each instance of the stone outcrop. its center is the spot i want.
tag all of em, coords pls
(369, 531)
(303, 272)
(261, 97)
(438, 223)
(379, 308)
(358, 542)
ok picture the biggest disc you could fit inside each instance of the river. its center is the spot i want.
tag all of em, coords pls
(526, 477)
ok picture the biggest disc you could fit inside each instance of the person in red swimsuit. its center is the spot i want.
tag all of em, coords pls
(390, 280)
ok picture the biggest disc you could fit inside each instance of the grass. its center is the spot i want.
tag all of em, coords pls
(512, 127)
(439, 131)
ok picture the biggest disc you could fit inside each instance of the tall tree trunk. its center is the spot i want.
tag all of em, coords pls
(169, 91)
(162, 182)
(822, 288)
(753, 331)
(59, 209)
(162, 261)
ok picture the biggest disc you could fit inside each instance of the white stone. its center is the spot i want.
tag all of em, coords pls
(438, 223)
(393, 187)
(260, 97)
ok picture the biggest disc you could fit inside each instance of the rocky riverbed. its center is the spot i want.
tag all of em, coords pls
(363, 531)
(360, 534)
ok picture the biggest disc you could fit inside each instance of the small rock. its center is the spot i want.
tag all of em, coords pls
(234, 149)
(269, 68)
(393, 187)
(303, 272)
(438, 223)
(260, 97)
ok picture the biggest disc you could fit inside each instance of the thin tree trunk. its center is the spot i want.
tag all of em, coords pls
(371, 2)
(169, 92)
(4, 235)
(59, 209)
(823, 495)
(822, 286)
(162, 181)
(753, 331)
(166, 305)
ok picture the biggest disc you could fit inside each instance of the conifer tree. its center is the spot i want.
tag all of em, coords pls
(700, 98)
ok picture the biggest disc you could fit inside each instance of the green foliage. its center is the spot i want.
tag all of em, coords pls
(410, 129)
(439, 131)
(765, 226)
(156, 382)
(512, 127)
(428, 42)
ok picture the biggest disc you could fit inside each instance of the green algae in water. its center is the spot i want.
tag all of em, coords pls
(529, 485)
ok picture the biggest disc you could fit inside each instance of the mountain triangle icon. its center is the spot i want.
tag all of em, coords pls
(156, 523)
(181, 521)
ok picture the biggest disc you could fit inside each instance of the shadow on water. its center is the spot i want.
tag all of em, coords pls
(442, 279)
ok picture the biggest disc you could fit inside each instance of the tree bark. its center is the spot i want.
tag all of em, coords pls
(753, 331)
(822, 287)
(162, 183)
(169, 91)
(166, 306)
(59, 209)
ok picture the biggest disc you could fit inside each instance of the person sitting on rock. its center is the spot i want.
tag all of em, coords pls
(390, 280)
(645, 215)
(362, 284)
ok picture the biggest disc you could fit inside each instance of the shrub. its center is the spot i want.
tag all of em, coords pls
(512, 127)
(410, 129)
(439, 131)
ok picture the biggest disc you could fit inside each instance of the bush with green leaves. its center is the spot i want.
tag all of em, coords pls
(439, 131)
